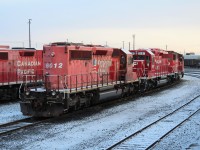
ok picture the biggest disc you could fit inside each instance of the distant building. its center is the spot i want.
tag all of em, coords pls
(191, 53)
(192, 60)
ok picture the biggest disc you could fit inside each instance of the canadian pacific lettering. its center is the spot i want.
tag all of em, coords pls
(25, 71)
(28, 63)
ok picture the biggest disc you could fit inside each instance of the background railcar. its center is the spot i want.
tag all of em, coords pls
(192, 61)
(14, 64)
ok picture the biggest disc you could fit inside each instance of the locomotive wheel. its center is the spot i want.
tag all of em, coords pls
(123, 95)
(155, 83)
(94, 98)
(88, 102)
(77, 105)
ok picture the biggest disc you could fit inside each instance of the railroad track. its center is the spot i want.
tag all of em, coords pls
(193, 75)
(19, 124)
(152, 134)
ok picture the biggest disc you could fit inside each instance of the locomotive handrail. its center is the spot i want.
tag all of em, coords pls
(80, 81)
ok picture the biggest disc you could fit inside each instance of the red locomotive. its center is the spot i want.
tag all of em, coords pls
(79, 75)
(152, 65)
(14, 64)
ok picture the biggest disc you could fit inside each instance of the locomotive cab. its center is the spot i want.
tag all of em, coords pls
(176, 64)
(142, 61)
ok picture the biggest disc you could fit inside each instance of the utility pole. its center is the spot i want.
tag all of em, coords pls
(29, 22)
(123, 44)
(133, 41)
(166, 47)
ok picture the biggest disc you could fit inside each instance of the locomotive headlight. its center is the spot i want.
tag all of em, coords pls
(53, 93)
(27, 92)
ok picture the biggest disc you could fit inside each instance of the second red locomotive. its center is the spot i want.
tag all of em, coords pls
(14, 64)
(79, 75)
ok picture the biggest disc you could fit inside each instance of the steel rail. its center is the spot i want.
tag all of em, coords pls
(160, 139)
(153, 123)
(19, 124)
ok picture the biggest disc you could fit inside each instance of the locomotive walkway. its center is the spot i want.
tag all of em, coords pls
(153, 133)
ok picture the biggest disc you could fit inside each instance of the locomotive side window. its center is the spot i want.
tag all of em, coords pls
(101, 52)
(26, 54)
(147, 59)
(130, 60)
(174, 57)
(141, 57)
(134, 57)
(81, 55)
(123, 59)
(141, 53)
(94, 62)
(3, 56)
(152, 60)
(133, 53)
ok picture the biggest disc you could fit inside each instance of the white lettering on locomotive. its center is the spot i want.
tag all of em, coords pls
(28, 63)
(158, 61)
(25, 71)
(104, 65)
(135, 63)
(55, 65)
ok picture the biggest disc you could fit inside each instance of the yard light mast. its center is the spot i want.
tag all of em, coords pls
(29, 22)
(133, 41)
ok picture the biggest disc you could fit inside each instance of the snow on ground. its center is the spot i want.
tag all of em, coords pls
(104, 127)
(10, 112)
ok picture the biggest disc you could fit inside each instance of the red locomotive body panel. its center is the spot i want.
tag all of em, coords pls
(176, 62)
(81, 66)
(15, 64)
(161, 62)
(67, 66)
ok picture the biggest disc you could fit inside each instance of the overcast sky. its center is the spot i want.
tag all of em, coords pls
(155, 23)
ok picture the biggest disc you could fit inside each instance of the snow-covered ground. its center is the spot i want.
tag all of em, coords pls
(10, 112)
(105, 126)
